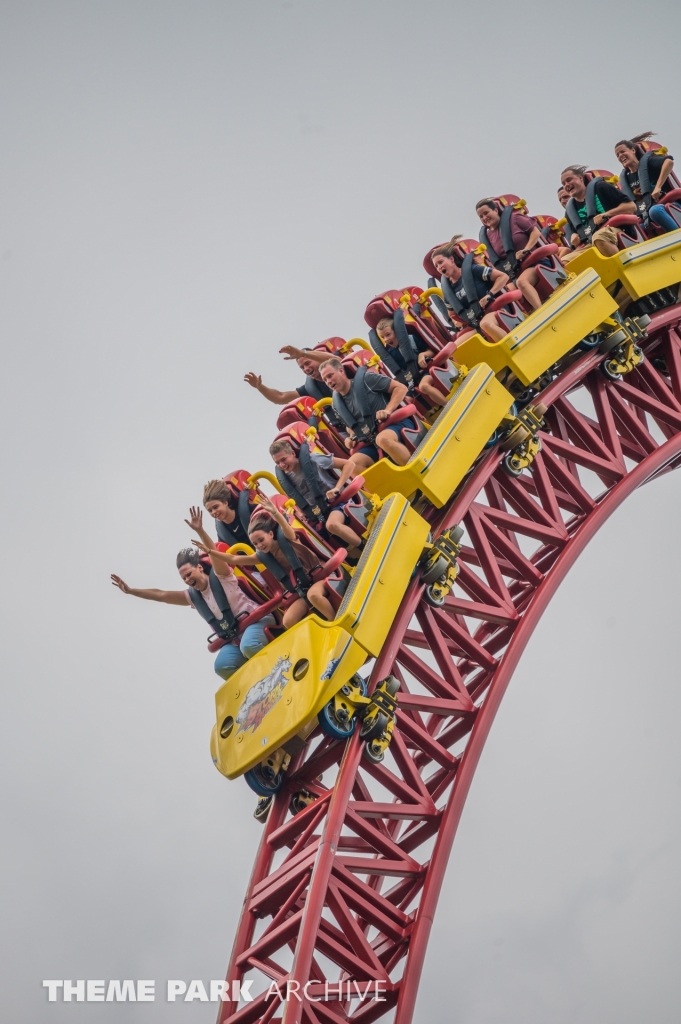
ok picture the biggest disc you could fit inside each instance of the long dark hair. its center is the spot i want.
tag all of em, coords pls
(450, 250)
(633, 143)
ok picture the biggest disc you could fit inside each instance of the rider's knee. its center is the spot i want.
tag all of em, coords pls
(229, 659)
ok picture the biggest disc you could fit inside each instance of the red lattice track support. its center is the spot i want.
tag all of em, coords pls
(347, 889)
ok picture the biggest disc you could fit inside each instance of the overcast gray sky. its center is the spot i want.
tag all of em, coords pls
(185, 187)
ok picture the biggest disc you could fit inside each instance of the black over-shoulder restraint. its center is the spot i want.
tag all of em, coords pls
(315, 389)
(225, 627)
(319, 507)
(645, 200)
(368, 403)
(237, 533)
(469, 310)
(302, 581)
(406, 347)
(584, 230)
(507, 262)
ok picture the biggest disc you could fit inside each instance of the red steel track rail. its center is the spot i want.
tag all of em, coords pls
(342, 896)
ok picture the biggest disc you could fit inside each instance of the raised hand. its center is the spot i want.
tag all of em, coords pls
(195, 521)
(254, 379)
(268, 505)
(121, 584)
(201, 546)
(291, 352)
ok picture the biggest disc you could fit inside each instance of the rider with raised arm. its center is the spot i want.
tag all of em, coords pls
(413, 372)
(592, 229)
(488, 281)
(216, 596)
(646, 177)
(364, 403)
(309, 480)
(276, 545)
(525, 234)
(308, 360)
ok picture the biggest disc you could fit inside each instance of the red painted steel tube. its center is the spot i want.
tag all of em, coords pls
(464, 777)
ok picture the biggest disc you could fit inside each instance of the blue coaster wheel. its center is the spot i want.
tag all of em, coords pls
(262, 781)
(340, 728)
(591, 341)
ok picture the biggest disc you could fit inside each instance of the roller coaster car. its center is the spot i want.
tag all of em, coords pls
(313, 413)
(670, 200)
(260, 586)
(629, 225)
(650, 271)
(462, 430)
(507, 306)
(409, 436)
(574, 312)
(283, 688)
(355, 504)
(553, 230)
(418, 317)
(330, 345)
(550, 271)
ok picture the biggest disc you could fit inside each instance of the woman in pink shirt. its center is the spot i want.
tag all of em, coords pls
(217, 597)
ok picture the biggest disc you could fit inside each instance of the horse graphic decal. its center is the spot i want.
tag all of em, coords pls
(263, 695)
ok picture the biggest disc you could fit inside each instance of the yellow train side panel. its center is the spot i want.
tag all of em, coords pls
(268, 704)
(378, 585)
(451, 446)
(651, 265)
(642, 268)
(546, 335)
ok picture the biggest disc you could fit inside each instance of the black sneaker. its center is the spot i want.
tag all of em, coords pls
(263, 809)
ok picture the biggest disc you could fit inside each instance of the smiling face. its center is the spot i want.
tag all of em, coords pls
(193, 576)
(262, 540)
(627, 157)
(563, 196)
(335, 377)
(574, 184)
(446, 267)
(220, 510)
(489, 216)
(309, 367)
(286, 460)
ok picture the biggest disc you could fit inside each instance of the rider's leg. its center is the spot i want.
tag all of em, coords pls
(491, 327)
(527, 282)
(336, 525)
(229, 659)
(295, 612)
(660, 216)
(316, 595)
(393, 447)
(428, 389)
(254, 638)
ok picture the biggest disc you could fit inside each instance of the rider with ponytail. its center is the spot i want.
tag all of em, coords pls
(645, 179)
(488, 281)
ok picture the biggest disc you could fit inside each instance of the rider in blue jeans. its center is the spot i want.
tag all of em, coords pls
(659, 168)
(201, 594)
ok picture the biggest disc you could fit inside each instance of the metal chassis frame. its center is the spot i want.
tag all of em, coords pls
(319, 906)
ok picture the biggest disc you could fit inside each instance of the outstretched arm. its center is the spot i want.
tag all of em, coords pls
(165, 596)
(271, 394)
(317, 356)
(222, 561)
